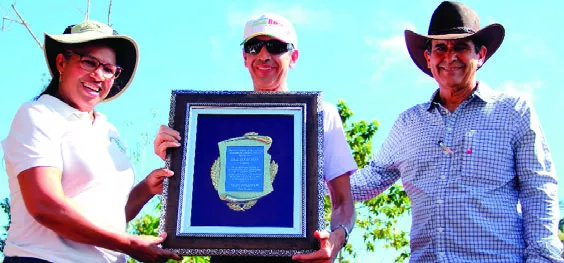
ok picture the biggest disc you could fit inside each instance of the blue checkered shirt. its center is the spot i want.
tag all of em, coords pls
(481, 181)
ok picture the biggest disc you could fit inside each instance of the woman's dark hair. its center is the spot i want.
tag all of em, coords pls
(53, 87)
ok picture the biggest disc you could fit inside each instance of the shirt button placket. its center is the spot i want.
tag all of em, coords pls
(442, 190)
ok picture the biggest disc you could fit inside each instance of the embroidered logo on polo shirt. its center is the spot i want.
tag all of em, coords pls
(117, 142)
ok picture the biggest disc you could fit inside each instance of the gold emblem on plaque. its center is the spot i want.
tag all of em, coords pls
(242, 186)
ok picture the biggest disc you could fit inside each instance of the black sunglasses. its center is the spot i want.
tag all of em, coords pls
(273, 46)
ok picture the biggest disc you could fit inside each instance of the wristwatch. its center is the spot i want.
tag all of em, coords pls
(346, 232)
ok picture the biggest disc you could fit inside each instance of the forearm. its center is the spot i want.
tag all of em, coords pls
(46, 202)
(69, 223)
(342, 206)
(343, 214)
(138, 197)
(64, 217)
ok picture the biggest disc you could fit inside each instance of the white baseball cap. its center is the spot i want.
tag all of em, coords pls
(272, 25)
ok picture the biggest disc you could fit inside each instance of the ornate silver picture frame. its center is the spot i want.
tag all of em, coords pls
(248, 176)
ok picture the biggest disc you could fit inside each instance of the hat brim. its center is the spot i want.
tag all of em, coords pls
(490, 36)
(127, 55)
(264, 34)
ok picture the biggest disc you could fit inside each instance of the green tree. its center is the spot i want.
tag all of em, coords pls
(378, 221)
(378, 216)
(561, 230)
(5, 207)
(561, 226)
(382, 212)
(148, 224)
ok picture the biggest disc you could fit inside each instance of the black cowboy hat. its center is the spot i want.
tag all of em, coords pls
(452, 20)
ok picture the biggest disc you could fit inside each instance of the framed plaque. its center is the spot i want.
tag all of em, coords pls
(248, 177)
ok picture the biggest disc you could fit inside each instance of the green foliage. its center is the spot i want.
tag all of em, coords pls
(5, 207)
(561, 230)
(359, 134)
(382, 212)
(148, 224)
(561, 226)
(381, 219)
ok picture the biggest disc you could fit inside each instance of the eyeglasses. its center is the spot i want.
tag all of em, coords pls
(273, 46)
(90, 64)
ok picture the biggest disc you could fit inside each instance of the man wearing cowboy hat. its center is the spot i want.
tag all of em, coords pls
(474, 162)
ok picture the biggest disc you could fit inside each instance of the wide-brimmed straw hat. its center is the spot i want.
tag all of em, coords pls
(126, 50)
(452, 20)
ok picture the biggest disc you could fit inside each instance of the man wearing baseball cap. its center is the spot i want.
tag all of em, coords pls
(269, 66)
(474, 162)
(270, 49)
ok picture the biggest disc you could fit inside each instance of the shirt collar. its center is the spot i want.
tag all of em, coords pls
(66, 110)
(432, 101)
(482, 92)
(485, 93)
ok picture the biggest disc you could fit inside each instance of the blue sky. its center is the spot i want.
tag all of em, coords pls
(354, 52)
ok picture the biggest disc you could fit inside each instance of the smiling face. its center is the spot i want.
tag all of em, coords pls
(80, 88)
(454, 62)
(269, 71)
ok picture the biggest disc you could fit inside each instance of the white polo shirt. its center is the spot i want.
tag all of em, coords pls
(337, 156)
(96, 174)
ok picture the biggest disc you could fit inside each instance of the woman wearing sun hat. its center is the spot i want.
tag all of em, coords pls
(69, 175)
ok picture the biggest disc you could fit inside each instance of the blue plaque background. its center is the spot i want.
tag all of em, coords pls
(273, 210)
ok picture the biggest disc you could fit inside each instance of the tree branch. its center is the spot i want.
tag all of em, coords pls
(22, 21)
(76, 7)
(110, 13)
(12, 20)
(8, 19)
(87, 11)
